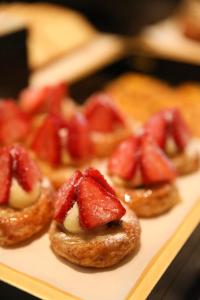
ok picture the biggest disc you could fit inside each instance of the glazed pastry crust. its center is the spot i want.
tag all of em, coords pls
(186, 164)
(19, 225)
(98, 248)
(149, 202)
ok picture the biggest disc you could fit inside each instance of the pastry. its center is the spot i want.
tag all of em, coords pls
(143, 176)
(107, 125)
(61, 146)
(91, 227)
(26, 202)
(14, 123)
(173, 135)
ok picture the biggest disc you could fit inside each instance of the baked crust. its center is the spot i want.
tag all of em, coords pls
(19, 225)
(99, 248)
(105, 143)
(186, 164)
(149, 202)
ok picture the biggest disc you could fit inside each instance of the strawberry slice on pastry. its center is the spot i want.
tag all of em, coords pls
(101, 113)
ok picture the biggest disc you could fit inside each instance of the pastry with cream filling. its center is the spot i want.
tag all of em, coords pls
(108, 127)
(91, 227)
(173, 135)
(26, 202)
(143, 176)
(61, 146)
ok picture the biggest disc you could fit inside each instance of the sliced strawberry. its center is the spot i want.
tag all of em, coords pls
(101, 114)
(32, 99)
(96, 175)
(180, 130)
(124, 160)
(96, 206)
(157, 127)
(46, 143)
(79, 142)
(14, 123)
(56, 96)
(66, 196)
(155, 166)
(6, 162)
(26, 170)
(46, 99)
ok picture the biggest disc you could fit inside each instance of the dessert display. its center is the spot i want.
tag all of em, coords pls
(143, 176)
(173, 135)
(14, 123)
(107, 126)
(91, 227)
(26, 203)
(61, 146)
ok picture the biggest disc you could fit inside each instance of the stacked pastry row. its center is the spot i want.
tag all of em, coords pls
(88, 170)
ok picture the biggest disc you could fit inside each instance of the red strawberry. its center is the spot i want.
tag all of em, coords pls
(179, 130)
(13, 123)
(96, 206)
(157, 127)
(155, 165)
(102, 114)
(96, 175)
(66, 196)
(46, 143)
(57, 94)
(26, 170)
(5, 174)
(79, 143)
(45, 99)
(32, 99)
(124, 160)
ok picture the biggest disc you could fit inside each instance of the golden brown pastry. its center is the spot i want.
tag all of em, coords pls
(91, 227)
(26, 199)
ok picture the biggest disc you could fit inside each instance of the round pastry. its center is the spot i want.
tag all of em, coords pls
(26, 199)
(108, 127)
(149, 202)
(60, 147)
(91, 227)
(170, 131)
(143, 176)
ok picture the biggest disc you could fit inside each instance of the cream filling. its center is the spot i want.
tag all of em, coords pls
(170, 148)
(71, 221)
(19, 198)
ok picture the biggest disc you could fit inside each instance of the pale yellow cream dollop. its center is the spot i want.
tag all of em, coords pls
(19, 198)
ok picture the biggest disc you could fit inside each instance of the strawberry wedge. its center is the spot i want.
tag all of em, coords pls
(66, 196)
(14, 123)
(155, 166)
(124, 160)
(96, 206)
(5, 174)
(101, 113)
(46, 143)
(26, 170)
(79, 143)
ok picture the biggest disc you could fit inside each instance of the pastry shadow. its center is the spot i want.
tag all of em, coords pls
(92, 270)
